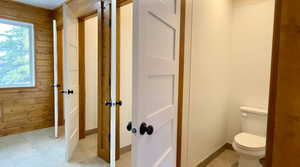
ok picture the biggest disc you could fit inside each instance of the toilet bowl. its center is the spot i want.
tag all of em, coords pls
(250, 143)
(251, 149)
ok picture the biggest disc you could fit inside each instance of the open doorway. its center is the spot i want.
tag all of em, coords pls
(89, 75)
(124, 69)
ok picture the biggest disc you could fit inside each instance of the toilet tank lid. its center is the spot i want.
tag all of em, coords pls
(254, 110)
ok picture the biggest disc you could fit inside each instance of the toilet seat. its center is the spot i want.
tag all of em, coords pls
(250, 142)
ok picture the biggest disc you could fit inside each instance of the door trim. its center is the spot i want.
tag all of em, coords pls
(61, 119)
(273, 84)
(81, 38)
(181, 82)
(118, 54)
(82, 73)
(118, 90)
(123, 3)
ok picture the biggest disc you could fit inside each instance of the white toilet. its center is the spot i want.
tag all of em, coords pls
(250, 143)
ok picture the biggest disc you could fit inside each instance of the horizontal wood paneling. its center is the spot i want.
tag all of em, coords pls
(24, 109)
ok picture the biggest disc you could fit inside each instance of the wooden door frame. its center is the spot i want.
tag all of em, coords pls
(61, 120)
(273, 85)
(120, 4)
(181, 82)
(180, 85)
(284, 79)
(81, 39)
(82, 73)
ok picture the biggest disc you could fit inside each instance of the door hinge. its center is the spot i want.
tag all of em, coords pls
(113, 103)
(55, 85)
(109, 137)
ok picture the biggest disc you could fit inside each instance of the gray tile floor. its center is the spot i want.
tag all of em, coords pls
(39, 149)
(125, 160)
(228, 158)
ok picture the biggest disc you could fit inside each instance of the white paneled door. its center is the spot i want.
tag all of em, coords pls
(71, 80)
(155, 82)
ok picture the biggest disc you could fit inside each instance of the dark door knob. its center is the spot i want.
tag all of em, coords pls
(129, 126)
(146, 129)
(67, 91)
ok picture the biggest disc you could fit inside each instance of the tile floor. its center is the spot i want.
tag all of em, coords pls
(124, 161)
(228, 158)
(39, 149)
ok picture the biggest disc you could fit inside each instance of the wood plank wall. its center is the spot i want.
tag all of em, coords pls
(283, 146)
(24, 109)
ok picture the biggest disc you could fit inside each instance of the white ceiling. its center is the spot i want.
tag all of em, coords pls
(48, 4)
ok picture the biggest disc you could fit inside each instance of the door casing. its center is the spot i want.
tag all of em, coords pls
(82, 73)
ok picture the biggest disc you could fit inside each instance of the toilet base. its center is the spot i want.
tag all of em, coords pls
(245, 161)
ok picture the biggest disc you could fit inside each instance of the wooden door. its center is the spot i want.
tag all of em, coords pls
(71, 81)
(104, 68)
(155, 81)
(283, 146)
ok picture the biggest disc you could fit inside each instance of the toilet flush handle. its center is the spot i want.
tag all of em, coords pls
(244, 114)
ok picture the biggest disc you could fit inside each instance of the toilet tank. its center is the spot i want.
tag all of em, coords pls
(254, 120)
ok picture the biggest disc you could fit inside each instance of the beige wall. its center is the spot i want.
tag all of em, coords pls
(126, 73)
(91, 71)
(209, 88)
(252, 31)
